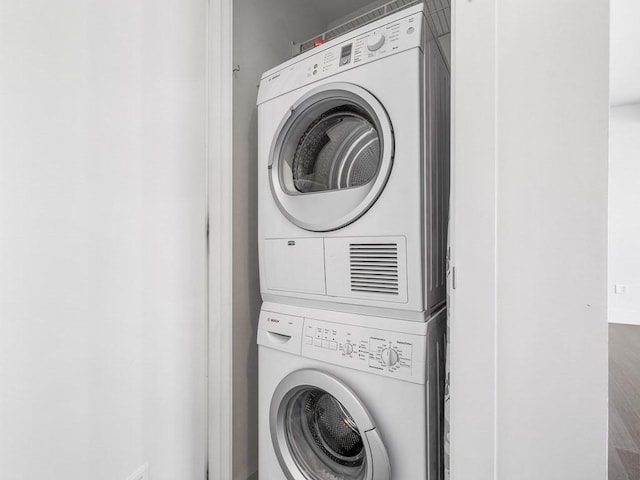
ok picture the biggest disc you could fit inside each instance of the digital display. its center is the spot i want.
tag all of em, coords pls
(345, 54)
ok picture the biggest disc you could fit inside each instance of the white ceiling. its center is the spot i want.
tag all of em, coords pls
(331, 10)
(625, 52)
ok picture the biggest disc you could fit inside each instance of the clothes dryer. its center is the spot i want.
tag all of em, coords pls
(353, 156)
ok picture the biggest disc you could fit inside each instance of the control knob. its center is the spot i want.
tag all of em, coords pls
(389, 356)
(347, 349)
(375, 41)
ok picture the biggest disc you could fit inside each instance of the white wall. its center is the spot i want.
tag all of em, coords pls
(530, 308)
(263, 32)
(625, 59)
(624, 220)
(102, 246)
(553, 98)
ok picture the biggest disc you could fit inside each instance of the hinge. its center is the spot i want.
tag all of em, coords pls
(453, 278)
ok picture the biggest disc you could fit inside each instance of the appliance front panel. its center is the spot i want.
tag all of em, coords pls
(372, 43)
(398, 408)
(381, 352)
(295, 265)
(398, 212)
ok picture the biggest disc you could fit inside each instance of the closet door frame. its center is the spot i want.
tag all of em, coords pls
(220, 237)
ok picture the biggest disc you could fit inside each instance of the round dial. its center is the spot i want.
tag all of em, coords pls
(375, 41)
(347, 349)
(389, 357)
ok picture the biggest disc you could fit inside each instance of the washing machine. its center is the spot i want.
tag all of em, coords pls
(348, 397)
(353, 172)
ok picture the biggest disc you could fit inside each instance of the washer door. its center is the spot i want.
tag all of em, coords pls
(331, 157)
(321, 431)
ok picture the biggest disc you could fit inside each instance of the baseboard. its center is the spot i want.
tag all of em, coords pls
(627, 317)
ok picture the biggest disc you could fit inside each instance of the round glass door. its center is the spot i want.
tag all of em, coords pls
(331, 158)
(340, 149)
(319, 433)
(323, 437)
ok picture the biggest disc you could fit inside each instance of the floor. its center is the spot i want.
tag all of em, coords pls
(624, 402)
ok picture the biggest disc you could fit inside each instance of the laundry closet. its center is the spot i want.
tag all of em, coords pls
(266, 34)
(530, 103)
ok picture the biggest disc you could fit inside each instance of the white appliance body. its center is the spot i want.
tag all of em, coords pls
(374, 241)
(388, 375)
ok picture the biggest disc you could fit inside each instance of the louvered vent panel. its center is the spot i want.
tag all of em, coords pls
(374, 267)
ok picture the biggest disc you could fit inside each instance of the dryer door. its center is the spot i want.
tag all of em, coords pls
(331, 157)
(321, 431)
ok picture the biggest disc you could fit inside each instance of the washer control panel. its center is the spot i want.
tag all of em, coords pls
(372, 43)
(382, 352)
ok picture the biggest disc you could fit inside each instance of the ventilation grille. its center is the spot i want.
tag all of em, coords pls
(374, 267)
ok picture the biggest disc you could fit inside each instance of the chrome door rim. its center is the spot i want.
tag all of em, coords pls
(363, 197)
(293, 384)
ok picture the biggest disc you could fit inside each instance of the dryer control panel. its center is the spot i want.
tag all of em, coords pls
(369, 43)
(382, 352)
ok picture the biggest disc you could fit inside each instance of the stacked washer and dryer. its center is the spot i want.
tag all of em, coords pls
(353, 211)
